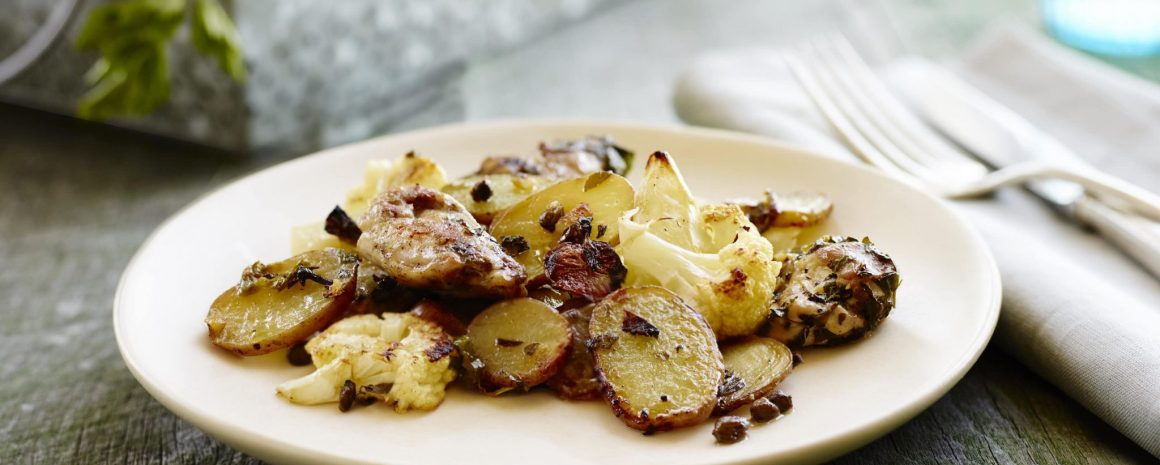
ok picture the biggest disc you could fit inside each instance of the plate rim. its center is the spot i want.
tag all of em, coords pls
(263, 447)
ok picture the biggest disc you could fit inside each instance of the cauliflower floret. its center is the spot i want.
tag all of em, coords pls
(711, 255)
(398, 357)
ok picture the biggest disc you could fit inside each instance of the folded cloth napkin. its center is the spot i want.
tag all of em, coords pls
(1075, 310)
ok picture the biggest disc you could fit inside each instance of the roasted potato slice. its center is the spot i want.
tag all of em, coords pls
(486, 195)
(577, 379)
(277, 305)
(657, 358)
(607, 196)
(437, 313)
(517, 343)
(313, 236)
(753, 369)
(781, 210)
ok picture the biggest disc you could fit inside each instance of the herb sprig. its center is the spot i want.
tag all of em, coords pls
(132, 76)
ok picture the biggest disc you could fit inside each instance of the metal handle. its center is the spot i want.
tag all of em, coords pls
(1135, 236)
(36, 46)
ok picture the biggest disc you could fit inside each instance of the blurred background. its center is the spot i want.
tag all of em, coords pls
(317, 74)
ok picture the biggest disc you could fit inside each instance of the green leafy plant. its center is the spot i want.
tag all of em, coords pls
(132, 76)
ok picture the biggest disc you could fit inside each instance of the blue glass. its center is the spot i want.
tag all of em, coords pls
(1111, 27)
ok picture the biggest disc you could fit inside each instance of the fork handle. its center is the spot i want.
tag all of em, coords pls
(1110, 189)
(1135, 236)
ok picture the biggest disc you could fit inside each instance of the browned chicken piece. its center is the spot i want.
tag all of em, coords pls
(564, 160)
(836, 290)
(424, 239)
(509, 164)
(575, 158)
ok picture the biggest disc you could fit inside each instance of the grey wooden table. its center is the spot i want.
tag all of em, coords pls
(77, 199)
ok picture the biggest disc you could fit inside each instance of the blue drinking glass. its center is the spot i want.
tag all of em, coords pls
(1110, 27)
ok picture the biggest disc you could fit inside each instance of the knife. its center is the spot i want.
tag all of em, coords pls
(1001, 138)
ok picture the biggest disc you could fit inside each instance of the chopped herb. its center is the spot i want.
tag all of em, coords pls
(514, 245)
(730, 384)
(499, 341)
(635, 325)
(530, 349)
(600, 230)
(602, 341)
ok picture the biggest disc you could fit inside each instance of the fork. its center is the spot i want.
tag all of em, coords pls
(885, 133)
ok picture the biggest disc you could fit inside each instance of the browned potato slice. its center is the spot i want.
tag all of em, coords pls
(277, 305)
(782, 210)
(577, 379)
(517, 343)
(753, 369)
(607, 195)
(486, 195)
(435, 312)
(657, 358)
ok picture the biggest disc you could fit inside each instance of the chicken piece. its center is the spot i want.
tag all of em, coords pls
(836, 290)
(424, 239)
(565, 159)
(509, 164)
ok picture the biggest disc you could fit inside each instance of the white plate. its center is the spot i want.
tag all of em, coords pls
(844, 397)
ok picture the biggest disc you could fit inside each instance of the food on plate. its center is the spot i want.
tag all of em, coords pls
(397, 358)
(577, 378)
(753, 368)
(836, 290)
(584, 267)
(485, 195)
(423, 239)
(709, 254)
(731, 429)
(794, 209)
(606, 197)
(657, 358)
(669, 307)
(274, 306)
(764, 410)
(515, 344)
(565, 159)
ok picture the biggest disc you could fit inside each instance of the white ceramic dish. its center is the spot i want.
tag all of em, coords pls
(844, 397)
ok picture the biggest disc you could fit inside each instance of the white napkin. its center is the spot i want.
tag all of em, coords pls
(1075, 309)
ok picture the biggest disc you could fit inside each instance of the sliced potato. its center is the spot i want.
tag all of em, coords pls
(517, 343)
(313, 236)
(486, 195)
(277, 305)
(657, 358)
(435, 312)
(577, 379)
(783, 210)
(753, 369)
(607, 196)
(801, 208)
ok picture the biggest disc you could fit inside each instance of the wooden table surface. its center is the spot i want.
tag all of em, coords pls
(79, 198)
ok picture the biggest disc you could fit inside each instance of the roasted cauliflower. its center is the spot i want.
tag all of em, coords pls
(398, 358)
(711, 255)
